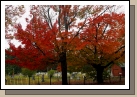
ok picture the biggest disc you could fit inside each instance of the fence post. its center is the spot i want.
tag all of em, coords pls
(14, 81)
(38, 80)
(5, 80)
(69, 80)
(84, 79)
(29, 80)
(26, 81)
(50, 79)
(10, 81)
(109, 79)
(17, 81)
(21, 81)
(120, 76)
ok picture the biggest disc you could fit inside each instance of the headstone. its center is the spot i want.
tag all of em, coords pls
(78, 78)
(33, 77)
(59, 76)
(43, 78)
(71, 77)
(12, 76)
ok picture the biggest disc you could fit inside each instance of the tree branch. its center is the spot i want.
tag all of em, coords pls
(104, 29)
(119, 49)
(111, 62)
(34, 44)
(49, 19)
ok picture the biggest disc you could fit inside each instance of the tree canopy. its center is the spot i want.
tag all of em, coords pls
(72, 36)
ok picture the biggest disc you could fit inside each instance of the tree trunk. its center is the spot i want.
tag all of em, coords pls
(99, 71)
(64, 68)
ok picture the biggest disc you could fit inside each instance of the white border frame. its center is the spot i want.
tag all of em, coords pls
(125, 3)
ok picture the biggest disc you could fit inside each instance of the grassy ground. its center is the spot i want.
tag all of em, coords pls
(22, 80)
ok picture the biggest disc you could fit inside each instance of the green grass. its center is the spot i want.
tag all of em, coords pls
(23, 80)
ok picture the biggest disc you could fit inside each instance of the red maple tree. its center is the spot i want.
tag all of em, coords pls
(49, 42)
(103, 42)
(38, 48)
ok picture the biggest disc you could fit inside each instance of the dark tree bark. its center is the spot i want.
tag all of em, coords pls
(99, 70)
(64, 68)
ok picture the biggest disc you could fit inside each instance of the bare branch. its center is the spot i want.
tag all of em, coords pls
(111, 62)
(49, 19)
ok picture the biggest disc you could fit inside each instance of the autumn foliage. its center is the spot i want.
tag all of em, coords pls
(11, 15)
(97, 39)
(37, 50)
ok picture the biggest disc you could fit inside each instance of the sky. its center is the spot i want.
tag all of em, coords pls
(22, 21)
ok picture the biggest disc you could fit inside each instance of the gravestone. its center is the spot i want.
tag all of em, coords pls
(71, 77)
(78, 78)
(33, 77)
(42, 79)
(12, 76)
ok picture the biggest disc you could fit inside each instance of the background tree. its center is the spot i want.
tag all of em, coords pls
(103, 42)
(29, 55)
(28, 73)
(11, 69)
(51, 73)
(12, 13)
(90, 71)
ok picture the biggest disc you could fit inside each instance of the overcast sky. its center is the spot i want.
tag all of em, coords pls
(22, 21)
